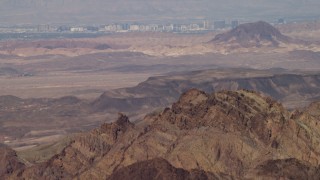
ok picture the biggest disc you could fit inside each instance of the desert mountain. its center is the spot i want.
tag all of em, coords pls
(224, 135)
(294, 90)
(69, 114)
(253, 34)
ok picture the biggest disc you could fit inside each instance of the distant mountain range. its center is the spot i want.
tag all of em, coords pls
(105, 11)
(294, 90)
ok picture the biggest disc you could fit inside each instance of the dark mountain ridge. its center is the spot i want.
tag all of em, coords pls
(158, 168)
(253, 34)
(294, 90)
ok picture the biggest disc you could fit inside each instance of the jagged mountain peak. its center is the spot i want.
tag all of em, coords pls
(117, 128)
(223, 135)
(242, 111)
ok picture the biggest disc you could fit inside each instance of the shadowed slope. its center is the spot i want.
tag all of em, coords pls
(157, 169)
(253, 34)
(9, 162)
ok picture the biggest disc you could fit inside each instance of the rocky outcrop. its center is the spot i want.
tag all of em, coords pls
(230, 112)
(225, 135)
(9, 162)
(85, 150)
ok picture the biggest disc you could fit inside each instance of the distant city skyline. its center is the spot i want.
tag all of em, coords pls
(107, 11)
(191, 27)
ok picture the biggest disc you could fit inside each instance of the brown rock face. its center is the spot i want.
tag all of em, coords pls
(253, 34)
(157, 169)
(286, 169)
(229, 111)
(224, 135)
(82, 152)
(9, 162)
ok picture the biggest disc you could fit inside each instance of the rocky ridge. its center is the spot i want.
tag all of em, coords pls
(293, 90)
(229, 134)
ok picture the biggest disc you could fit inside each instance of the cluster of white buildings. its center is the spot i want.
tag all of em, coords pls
(77, 29)
(157, 27)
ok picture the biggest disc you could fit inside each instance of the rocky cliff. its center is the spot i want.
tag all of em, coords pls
(9, 162)
(224, 135)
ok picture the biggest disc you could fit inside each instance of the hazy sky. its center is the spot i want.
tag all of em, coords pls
(106, 11)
